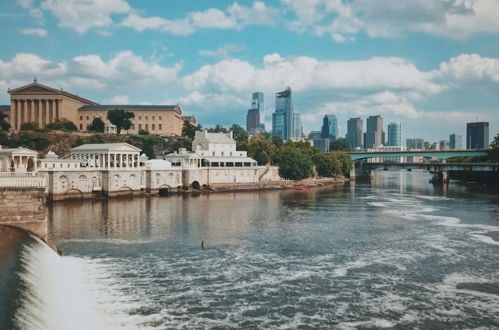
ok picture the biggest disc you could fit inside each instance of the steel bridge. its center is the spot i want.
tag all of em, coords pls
(441, 154)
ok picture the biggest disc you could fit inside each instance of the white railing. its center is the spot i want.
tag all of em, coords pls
(18, 180)
(10, 174)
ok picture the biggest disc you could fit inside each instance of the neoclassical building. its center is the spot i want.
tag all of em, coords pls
(44, 105)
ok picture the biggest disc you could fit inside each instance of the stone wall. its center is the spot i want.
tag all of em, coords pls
(24, 208)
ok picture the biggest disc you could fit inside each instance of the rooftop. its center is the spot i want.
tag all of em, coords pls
(129, 107)
(106, 147)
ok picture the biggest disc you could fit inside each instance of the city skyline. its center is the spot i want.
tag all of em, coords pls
(340, 58)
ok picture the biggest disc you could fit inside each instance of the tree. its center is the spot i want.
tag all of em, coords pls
(4, 125)
(239, 134)
(339, 145)
(97, 125)
(143, 132)
(62, 125)
(322, 164)
(217, 129)
(261, 150)
(30, 126)
(294, 164)
(120, 118)
(341, 162)
(188, 129)
(277, 141)
(494, 150)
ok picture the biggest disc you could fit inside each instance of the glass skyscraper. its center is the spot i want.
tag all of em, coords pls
(329, 127)
(374, 134)
(455, 141)
(394, 134)
(257, 103)
(285, 123)
(477, 135)
(354, 136)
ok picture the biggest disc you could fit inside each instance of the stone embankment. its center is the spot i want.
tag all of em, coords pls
(24, 207)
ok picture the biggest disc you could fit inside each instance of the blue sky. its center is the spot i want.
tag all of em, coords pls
(432, 65)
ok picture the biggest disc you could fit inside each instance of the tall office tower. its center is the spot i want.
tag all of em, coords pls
(354, 136)
(297, 132)
(257, 103)
(455, 141)
(415, 144)
(253, 122)
(329, 128)
(374, 132)
(443, 145)
(282, 118)
(394, 134)
(477, 135)
(314, 135)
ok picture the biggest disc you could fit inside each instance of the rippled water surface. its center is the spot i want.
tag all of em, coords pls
(395, 253)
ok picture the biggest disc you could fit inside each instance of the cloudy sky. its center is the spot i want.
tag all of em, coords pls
(432, 65)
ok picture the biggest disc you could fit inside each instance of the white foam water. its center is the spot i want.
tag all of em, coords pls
(54, 293)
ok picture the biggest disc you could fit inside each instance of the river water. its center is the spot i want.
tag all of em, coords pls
(393, 253)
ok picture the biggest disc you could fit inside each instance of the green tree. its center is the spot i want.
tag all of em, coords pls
(217, 129)
(239, 134)
(322, 164)
(188, 129)
(277, 141)
(261, 150)
(121, 118)
(339, 145)
(143, 132)
(30, 126)
(97, 125)
(294, 164)
(4, 125)
(340, 162)
(493, 153)
(62, 125)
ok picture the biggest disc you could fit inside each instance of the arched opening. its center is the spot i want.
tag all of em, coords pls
(31, 165)
(196, 185)
(73, 194)
(164, 190)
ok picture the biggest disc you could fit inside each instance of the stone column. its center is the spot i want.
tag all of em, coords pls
(21, 112)
(39, 113)
(13, 114)
(57, 109)
(46, 112)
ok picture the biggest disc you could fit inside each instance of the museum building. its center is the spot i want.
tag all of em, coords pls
(44, 105)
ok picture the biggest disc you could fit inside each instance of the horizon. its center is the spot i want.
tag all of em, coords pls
(429, 65)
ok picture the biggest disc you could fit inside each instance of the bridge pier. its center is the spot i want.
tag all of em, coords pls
(360, 172)
(440, 178)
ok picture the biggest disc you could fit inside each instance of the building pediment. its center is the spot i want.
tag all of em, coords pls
(39, 89)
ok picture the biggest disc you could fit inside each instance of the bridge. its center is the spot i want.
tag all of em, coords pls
(441, 154)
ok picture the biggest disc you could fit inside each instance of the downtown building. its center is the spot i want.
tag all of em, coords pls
(394, 134)
(477, 135)
(354, 136)
(285, 122)
(415, 144)
(256, 115)
(455, 141)
(43, 105)
(329, 128)
(374, 136)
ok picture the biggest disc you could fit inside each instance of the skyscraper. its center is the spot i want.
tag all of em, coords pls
(394, 134)
(477, 135)
(374, 132)
(415, 144)
(285, 123)
(354, 136)
(455, 141)
(257, 103)
(329, 128)
(253, 121)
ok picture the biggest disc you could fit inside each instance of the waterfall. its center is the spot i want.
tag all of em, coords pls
(54, 294)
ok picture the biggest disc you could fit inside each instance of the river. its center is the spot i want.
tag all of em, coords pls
(393, 253)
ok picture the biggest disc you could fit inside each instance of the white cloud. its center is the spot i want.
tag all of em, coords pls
(233, 17)
(34, 32)
(82, 15)
(222, 52)
(28, 5)
(456, 19)
(470, 67)
(118, 99)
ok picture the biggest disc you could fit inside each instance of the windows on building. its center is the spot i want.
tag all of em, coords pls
(88, 117)
(159, 117)
(81, 127)
(160, 127)
(152, 118)
(81, 117)
(140, 117)
(147, 117)
(147, 126)
(153, 127)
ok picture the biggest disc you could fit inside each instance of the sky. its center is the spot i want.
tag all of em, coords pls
(431, 65)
